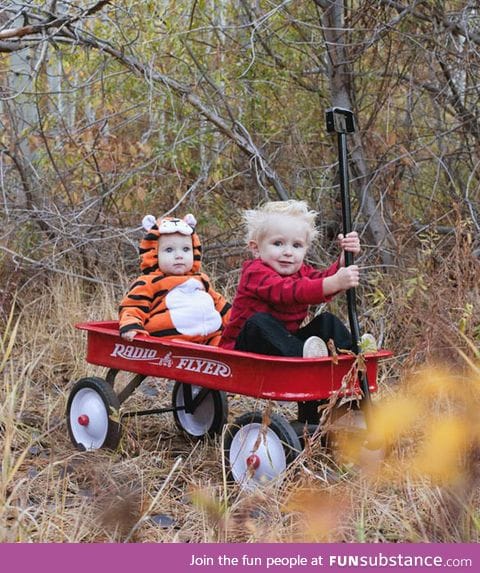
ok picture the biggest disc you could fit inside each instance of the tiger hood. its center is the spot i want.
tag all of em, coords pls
(164, 226)
(173, 306)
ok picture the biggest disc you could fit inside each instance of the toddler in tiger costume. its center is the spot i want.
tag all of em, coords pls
(172, 298)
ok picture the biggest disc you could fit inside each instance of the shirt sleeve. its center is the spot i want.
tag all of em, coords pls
(314, 273)
(304, 288)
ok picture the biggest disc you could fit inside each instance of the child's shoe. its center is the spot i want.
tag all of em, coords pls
(368, 343)
(314, 347)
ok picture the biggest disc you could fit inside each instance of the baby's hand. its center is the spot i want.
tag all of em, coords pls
(349, 243)
(347, 277)
(130, 334)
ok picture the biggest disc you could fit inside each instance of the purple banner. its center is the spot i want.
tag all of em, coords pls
(204, 558)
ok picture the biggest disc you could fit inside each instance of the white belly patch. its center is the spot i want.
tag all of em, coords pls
(192, 310)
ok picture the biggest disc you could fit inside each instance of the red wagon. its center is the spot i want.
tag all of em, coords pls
(204, 375)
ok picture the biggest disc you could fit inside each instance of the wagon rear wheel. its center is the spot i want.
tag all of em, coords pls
(349, 442)
(257, 453)
(93, 414)
(210, 410)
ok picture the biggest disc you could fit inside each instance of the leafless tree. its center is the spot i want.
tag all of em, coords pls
(232, 80)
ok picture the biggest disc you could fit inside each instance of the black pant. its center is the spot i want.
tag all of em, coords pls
(265, 334)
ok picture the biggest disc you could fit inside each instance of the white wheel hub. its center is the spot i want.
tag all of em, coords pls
(89, 419)
(254, 460)
(200, 422)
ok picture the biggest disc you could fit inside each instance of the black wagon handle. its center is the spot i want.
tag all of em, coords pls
(341, 121)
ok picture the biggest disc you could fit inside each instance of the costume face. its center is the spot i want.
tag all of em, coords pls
(283, 245)
(175, 254)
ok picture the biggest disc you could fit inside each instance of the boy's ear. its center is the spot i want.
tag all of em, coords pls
(253, 246)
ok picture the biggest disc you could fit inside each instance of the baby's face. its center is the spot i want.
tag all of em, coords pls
(175, 254)
(284, 245)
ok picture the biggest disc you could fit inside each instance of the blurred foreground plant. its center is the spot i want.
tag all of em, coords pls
(424, 486)
(428, 428)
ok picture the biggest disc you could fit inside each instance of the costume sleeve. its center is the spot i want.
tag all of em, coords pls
(221, 305)
(269, 286)
(135, 306)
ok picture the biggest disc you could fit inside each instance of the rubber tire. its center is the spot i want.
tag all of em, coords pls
(346, 410)
(111, 404)
(347, 425)
(216, 404)
(283, 431)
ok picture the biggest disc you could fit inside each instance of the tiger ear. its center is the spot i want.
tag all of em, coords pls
(190, 220)
(148, 222)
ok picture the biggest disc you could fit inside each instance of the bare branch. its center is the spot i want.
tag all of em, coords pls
(450, 25)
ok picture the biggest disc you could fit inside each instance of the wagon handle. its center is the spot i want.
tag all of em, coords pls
(341, 121)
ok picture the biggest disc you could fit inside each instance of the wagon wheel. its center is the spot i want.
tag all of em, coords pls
(349, 442)
(92, 415)
(209, 415)
(257, 453)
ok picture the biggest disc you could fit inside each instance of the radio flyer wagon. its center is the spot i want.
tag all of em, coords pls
(204, 375)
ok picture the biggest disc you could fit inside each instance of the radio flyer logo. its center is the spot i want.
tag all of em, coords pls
(130, 352)
(190, 363)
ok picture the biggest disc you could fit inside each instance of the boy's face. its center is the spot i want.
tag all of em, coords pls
(175, 254)
(283, 246)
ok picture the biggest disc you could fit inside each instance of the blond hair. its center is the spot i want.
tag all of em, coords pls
(256, 220)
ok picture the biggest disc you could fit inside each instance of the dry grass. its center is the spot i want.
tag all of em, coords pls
(160, 486)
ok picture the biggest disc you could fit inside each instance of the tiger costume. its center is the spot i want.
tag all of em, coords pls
(169, 305)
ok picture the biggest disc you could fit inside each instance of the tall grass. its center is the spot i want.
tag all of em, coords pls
(159, 486)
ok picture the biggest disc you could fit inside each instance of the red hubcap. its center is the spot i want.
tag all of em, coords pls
(253, 461)
(83, 420)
